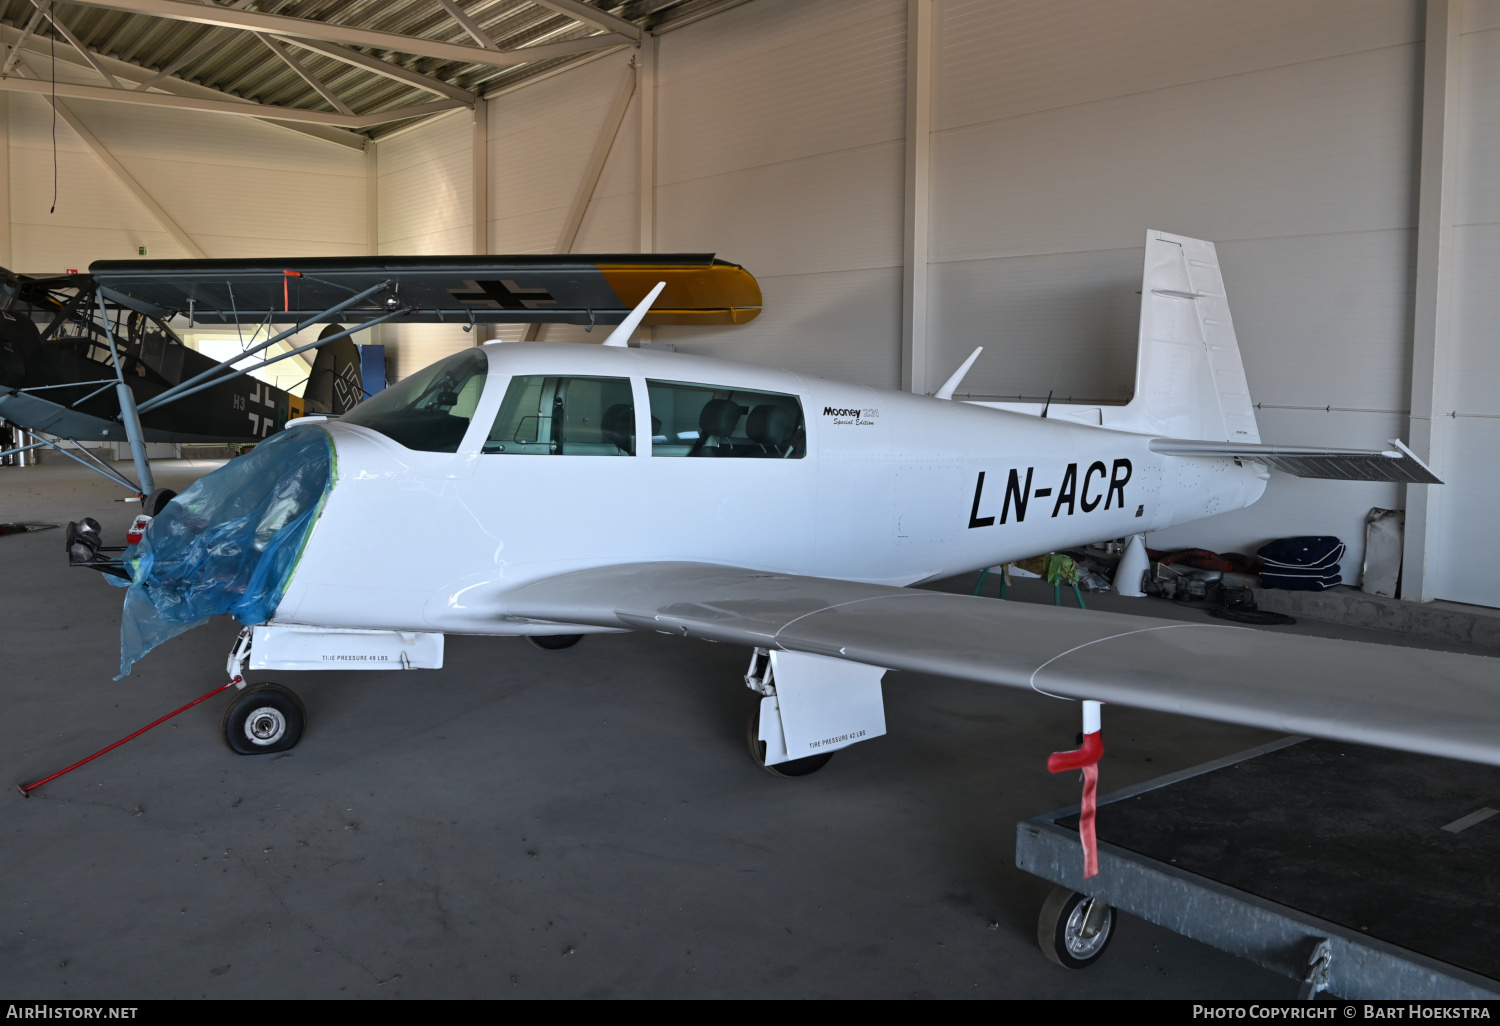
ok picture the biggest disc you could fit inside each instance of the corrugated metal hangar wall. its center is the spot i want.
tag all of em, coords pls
(911, 178)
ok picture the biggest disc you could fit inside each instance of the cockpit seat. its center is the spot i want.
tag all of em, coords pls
(618, 427)
(773, 427)
(716, 423)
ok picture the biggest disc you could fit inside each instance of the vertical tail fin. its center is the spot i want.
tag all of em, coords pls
(336, 385)
(1189, 381)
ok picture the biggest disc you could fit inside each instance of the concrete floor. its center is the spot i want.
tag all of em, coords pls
(583, 823)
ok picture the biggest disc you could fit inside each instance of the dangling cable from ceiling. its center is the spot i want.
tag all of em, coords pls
(54, 122)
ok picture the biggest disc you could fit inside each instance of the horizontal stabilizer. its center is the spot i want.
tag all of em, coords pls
(1415, 700)
(1398, 464)
(572, 289)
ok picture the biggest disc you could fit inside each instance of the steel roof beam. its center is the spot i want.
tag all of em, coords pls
(303, 28)
(15, 49)
(245, 108)
(83, 51)
(591, 15)
(470, 25)
(207, 43)
(387, 68)
(307, 76)
(128, 72)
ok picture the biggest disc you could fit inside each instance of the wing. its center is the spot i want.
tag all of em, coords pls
(1399, 464)
(572, 289)
(1436, 703)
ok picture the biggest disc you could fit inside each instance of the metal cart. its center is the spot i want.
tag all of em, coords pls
(1362, 872)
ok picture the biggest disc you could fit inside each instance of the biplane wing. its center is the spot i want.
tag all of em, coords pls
(574, 289)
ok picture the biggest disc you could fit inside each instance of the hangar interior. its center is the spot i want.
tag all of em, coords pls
(907, 180)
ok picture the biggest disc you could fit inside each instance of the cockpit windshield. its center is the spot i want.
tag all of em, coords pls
(431, 410)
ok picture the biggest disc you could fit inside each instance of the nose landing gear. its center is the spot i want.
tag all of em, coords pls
(262, 719)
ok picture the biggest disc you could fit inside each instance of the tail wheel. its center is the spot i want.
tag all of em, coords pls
(262, 719)
(790, 768)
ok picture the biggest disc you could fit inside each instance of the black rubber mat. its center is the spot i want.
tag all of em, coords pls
(1349, 834)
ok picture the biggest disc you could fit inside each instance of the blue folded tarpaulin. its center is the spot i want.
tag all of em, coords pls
(228, 543)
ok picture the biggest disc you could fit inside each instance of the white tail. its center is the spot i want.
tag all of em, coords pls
(1189, 382)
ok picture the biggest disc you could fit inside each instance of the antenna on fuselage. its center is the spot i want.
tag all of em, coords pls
(1048, 404)
(946, 392)
(621, 335)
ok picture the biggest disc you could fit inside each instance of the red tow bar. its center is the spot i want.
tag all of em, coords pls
(26, 789)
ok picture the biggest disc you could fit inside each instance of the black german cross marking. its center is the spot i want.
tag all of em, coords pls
(502, 295)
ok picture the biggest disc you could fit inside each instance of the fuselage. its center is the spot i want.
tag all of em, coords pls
(65, 373)
(877, 486)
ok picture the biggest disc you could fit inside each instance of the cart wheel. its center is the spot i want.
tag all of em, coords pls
(262, 719)
(790, 768)
(554, 642)
(1074, 929)
(157, 501)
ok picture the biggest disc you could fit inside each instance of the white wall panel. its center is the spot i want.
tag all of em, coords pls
(1324, 320)
(777, 80)
(998, 60)
(829, 210)
(834, 325)
(1467, 508)
(1469, 436)
(780, 132)
(541, 138)
(1326, 146)
(237, 187)
(1063, 322)
(425, 206)
(426, 188)
(1481, 14)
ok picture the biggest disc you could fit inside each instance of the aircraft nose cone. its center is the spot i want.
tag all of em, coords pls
(229, 542)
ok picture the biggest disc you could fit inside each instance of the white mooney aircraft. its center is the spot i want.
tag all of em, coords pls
(715, 500)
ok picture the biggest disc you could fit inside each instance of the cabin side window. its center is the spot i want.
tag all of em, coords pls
(429, 411)
(714, 420)
(550, 416)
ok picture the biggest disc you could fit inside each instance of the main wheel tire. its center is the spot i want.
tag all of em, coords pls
(1074, 929)
(156, 501)
(790, 768)
(262, 719)
(554, 642)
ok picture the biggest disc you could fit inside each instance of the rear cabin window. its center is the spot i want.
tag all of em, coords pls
(429, 411)
(548, 416)
(712, 420)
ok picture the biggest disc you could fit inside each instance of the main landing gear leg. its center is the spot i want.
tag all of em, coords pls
(261, 718)
(759, 678)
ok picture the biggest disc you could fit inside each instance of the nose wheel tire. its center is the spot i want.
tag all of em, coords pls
(790, 768)
(553, 642)
(262, 719)
(1074, 929)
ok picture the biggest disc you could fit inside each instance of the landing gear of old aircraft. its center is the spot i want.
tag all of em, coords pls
(157, 501)
(554, 642)
(262, 719)
(1074, 929)
(790, 768)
